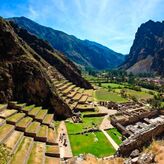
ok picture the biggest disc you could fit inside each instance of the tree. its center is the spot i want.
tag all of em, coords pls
(123, 93)
(109, 88)
(99, 84)
(134, 98)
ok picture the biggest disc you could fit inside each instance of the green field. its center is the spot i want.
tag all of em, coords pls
(104, 95)
(137, 94)
(115, 135)
(112, 85)
(94, 143)
(90, 122)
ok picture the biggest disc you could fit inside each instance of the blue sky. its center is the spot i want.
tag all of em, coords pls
(112, 23)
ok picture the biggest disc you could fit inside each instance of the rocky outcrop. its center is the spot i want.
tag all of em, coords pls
(23, 74)
(147, 52)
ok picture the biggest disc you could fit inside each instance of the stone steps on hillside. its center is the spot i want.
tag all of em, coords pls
(72, 94)
(52, 160)
(5, 131)
(83, 99)
(60, 84)
(73, 105)
(41, 115)
(32, 129)
(37, 155)
(68, 90)
(52, 137)
(13, 141)
(90, 99)
(77, 96)
(24, 123)
(48, 119)
(27, 109)
(81, 90)
(2, 121)
(42, 134)
(32, 113)
(3, 106)
(65, 86)
(15, 118)
(23, 151)
(7, 113)
(52, 151)
(20, 106)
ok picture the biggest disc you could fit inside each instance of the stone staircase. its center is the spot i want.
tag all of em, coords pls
(29, 133)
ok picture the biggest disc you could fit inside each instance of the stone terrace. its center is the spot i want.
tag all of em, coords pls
(29, 133)
(75, 97)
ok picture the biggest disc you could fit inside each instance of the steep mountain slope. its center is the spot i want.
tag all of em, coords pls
(25, 75)
(147, 51)
(83, 52)
(53, 57)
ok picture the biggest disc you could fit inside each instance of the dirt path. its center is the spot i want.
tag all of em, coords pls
(106, 124)
(64, 143)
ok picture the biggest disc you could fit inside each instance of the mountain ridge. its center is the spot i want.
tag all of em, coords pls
(82, 52)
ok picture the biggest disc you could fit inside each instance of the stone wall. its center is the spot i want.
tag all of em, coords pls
(139, 140)
(134, 118)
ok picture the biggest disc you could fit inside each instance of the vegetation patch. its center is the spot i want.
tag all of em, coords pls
(112, 85)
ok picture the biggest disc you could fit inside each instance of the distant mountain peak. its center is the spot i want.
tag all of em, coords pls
(147, 51)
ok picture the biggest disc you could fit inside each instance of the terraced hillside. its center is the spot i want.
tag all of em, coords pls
(27, 68)
(76, 98)
(29, 133)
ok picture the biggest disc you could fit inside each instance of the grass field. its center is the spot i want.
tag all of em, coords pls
(87, 123)
(137, 94)
(94, 143)
(112, 85)
(104, 95)
(115, 135)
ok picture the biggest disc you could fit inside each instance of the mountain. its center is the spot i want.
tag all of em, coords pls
(28, 68)
(147, 52)
(82, 52)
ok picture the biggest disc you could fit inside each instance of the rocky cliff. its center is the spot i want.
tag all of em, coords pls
(147, 51)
